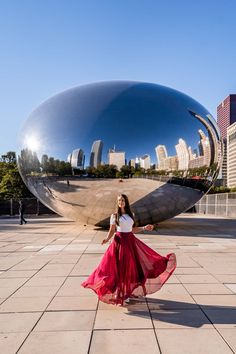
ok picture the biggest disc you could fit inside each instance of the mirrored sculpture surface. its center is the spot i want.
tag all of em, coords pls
(82, 147)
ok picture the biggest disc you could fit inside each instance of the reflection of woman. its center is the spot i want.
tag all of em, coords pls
(129, 268)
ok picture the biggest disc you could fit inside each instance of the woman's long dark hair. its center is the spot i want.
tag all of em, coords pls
(127, 209)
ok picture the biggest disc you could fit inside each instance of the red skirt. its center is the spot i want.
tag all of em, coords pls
(129, 268)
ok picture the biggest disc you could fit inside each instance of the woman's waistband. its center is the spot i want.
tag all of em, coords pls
(119, 233)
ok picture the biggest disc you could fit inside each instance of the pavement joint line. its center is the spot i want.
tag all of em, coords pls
(65, 277)
(45, 310)
(96, 311)
(155, 333)
(216, 329)
(92, 332)
(23, 283)
(29, 332)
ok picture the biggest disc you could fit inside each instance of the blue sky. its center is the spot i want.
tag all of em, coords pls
(49, 46)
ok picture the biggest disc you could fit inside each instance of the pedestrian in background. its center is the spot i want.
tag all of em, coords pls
(21, 212)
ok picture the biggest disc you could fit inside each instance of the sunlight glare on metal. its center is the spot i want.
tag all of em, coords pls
(32, 143)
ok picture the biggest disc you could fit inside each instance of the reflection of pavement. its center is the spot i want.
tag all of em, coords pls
(103, 189)
(93, 200)
(97, 195)
(43, 305)
(164, 203)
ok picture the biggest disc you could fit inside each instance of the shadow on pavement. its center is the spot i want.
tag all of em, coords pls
(198, 226)
(182, 313)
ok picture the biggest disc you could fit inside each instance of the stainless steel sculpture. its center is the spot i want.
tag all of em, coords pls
(82, 147)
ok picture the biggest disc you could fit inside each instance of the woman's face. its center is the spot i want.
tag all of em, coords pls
(121, 201)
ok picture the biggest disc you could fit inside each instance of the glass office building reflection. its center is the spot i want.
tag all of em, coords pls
(82, 147)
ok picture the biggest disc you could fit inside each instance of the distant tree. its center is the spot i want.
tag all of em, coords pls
(119, 174)
(9, 157)
(102, 171)
(64, 169)
(51, 165)
(91, 171)
(126, 171)
(161, 172)
(11, 184)
(221, 189)
(106, 171)
(138, 173)
(151, 172)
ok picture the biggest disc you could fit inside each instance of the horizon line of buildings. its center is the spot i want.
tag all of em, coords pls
(184, 159)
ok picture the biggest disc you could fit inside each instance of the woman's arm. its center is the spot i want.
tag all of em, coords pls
(110, 234)
(148, 227)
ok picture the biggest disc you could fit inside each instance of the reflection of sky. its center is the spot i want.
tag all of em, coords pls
(135, 117)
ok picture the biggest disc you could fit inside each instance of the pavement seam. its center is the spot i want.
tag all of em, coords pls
(155, 333)
(22, 284)
(66, 276)
(205, 314)
(29, 332)
(94, 320)
(45, 310)
(218, 331)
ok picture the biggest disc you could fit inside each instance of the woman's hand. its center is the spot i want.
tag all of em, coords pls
(111, 233)
(148, 227)
(104, 241)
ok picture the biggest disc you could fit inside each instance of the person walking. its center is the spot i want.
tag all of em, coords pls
(129, 268)
(21, 212)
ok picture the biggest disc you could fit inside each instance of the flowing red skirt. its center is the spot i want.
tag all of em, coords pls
(129, 268)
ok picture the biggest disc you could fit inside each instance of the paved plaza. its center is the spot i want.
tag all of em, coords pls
(44, 309)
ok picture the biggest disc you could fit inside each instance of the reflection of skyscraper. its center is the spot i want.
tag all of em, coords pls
(183, 154)
(231, 155)
(69, 158)
(77, 159)
(197, 159)
(116, 158)
(96, 154)
(145, 162)
(137, 162)
(165, 162)
(170, 163)
(197, 162)
(204, 147)
(213, 135)
(203, 158)
(161, 155)
(132, 163)
(191, 155)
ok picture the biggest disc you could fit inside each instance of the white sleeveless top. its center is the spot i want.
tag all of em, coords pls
(125, 223)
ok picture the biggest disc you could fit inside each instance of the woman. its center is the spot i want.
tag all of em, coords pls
(129, 268)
